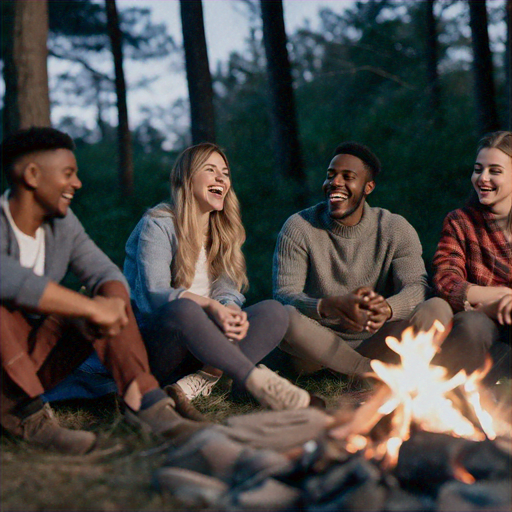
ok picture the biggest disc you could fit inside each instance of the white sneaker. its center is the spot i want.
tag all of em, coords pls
(197, 384)
(275, 392)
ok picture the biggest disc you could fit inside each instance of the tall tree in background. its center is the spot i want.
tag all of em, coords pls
(199, 79)
(123, 131)
(432, 57)
(485, 92)
(79, 39)
(10, 113)
(27, 100)
(283, 114)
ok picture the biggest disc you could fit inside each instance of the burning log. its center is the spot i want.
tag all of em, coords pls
(428, 460)
(424, 441)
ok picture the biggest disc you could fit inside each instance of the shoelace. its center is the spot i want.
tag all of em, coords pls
(196, 383)
(282, 390)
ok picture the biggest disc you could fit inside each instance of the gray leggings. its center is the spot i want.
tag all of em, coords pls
(181, 338)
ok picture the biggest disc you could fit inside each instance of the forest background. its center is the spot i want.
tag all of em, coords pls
(417, 81)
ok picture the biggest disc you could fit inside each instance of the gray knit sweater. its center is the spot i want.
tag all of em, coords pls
(317, 257)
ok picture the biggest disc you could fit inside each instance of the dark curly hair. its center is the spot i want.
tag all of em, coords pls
(364, 153)
(31, 140)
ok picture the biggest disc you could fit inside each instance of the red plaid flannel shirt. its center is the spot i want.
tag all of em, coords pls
(472, 250)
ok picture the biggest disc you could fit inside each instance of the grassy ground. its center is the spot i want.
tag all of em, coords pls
(119, 477)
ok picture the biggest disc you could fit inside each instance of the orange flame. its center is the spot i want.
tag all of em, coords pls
(421, 394)
(462, 475)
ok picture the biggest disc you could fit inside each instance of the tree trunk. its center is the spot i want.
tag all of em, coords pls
(123, 129)
(27, 100)
(200, 89)
(11, 114)
(482, 68)
(283, 115)
(432, 58)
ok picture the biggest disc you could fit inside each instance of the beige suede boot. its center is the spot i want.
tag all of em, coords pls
(274, 391)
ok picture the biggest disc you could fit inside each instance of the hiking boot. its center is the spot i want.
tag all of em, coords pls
(274, 391)
(42, 428)
(197, 384)
(183, 405)
(162, 420)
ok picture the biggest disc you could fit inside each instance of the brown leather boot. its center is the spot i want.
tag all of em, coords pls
(42, 428)
(183, 404)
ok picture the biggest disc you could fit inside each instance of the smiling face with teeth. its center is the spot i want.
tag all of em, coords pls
(492, 179)
(211, 183)
(347, 184)
(53, 177)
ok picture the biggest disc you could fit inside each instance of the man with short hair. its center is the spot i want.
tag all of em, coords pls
(48, 330)
(351, 274)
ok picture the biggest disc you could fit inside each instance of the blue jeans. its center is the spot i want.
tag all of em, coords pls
(90, 380)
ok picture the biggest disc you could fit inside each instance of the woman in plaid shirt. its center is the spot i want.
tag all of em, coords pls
(472, 265)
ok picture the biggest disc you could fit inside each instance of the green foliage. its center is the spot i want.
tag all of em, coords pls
(361, 76)
(106, 215)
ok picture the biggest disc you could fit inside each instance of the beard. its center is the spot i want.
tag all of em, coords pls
(351, 210)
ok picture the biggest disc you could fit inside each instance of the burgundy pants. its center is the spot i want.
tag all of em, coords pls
(36, 357)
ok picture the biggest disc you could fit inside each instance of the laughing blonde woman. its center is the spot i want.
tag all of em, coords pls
(186, 270)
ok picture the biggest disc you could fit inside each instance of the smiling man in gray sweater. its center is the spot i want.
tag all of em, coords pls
(350, 274)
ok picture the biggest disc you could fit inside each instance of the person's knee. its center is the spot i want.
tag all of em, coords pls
(294, 323)
(475, 327)
(180, 312)
(474, 323)
(114, 289)
(301, 330)
(427, 312)
(274, 312)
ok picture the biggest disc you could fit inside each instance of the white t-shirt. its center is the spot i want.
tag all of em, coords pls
(32, 249)
(201, 285)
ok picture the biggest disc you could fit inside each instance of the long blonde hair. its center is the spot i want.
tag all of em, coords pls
(226, 233)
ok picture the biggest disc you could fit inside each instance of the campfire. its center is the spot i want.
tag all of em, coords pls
(418, 395)
(426, 427)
